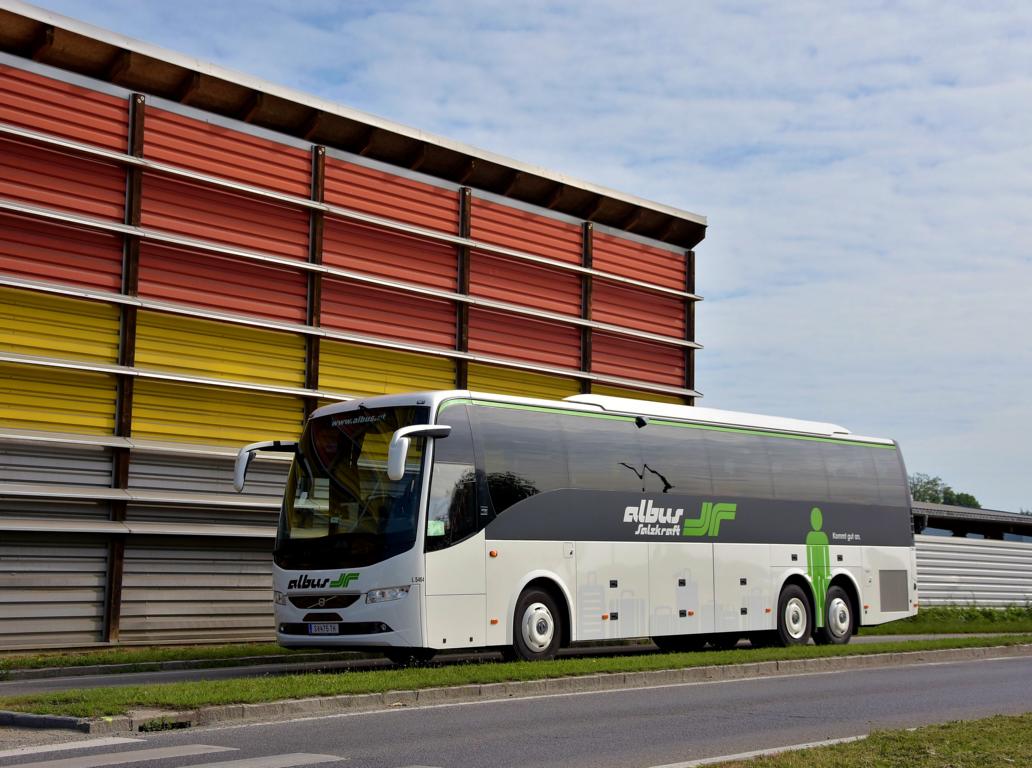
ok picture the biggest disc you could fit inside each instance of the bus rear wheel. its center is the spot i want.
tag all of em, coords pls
(795, 624)
(839, 620)
(536, 628)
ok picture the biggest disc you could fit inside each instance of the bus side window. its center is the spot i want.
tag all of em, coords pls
(524, 454)
(452, 506)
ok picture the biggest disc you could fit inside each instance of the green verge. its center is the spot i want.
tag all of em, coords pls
(147, 658)
(94, 702)
(989, 743)
(958, 619)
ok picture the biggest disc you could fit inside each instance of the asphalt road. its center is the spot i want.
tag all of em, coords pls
(629, 728)
(16, 687)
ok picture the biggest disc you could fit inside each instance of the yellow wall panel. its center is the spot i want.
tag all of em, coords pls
(637, 394)
(57, 400)
(219, 350)
(213, 415)
(513, 381)
(45, 325)
(352, 369)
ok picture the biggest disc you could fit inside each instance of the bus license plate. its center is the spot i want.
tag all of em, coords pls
(322, 629)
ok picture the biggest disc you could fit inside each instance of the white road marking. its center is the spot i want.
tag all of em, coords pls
(761, 753)
(274, 761)
(107, 741)
(130, 756)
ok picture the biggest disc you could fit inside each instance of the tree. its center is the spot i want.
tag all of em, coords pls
(934, 491)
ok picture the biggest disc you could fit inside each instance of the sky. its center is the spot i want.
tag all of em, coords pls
(865, 167)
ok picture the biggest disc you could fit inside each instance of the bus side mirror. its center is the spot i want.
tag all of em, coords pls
(398, 451)
(246, 456)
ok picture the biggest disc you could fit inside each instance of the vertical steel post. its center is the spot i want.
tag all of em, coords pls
(121, 457)
(313, 309)
(462, 287)
(689, 324)
(587, 288)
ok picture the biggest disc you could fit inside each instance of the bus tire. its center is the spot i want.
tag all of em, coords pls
(680, 643)
(795, 622)
(839, 619)
(536, 626)
(409, 657)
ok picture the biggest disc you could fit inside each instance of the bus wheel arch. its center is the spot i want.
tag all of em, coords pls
(555, 598)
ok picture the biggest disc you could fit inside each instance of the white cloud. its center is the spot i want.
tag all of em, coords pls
(867, 172)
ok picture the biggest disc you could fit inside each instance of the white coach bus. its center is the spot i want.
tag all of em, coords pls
(448, 520)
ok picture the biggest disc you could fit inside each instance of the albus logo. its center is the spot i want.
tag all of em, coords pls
(653, 520)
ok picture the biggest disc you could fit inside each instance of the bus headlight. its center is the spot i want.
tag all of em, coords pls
(383, 595)
(279, 598)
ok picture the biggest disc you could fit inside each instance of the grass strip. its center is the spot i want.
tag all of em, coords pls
(930, 621)
(95, 702)
(958, 619)
(148, 658)
(988, 743)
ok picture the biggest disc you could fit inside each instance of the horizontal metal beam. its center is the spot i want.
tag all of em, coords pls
(109, 527)
(136, 496)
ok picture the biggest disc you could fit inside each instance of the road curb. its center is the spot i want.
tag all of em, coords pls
(329, 705)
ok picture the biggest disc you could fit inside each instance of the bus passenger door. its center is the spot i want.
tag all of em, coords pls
(455, 570)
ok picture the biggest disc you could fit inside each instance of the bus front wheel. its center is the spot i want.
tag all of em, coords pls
(795, 624)
(536, 629)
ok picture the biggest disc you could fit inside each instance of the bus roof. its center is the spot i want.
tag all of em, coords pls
(620, 405)
(718, 417)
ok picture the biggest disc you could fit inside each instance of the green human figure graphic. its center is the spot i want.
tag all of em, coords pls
(818, 562)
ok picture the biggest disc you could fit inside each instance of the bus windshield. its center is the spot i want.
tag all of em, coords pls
(340, 509)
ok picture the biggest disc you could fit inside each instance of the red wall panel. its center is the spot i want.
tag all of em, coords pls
(221, 151)
(629, 258)
(523, 231)
(635, 359)
(523, 338)
(227, 284)
(54, 253)
(520, 282)
(237, 220)
(388, 254)
(41, 104)
(394, 197)
(39, 176)
(390, 314)
(636, 308)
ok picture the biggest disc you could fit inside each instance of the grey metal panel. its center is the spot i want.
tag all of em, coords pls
(51, 590)
(25, 466)
(207, 474)
(42, 463)
(196, 590)
(201, 515)
(55, 509)
(957, 571)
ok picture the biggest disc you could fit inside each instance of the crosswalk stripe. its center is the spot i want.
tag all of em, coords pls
(273, 761)
(121, 758)
(107, 741)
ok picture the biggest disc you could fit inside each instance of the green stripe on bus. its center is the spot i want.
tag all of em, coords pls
(662, 422)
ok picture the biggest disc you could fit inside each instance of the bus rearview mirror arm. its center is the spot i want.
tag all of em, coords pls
(246, 456)
(398, 451)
